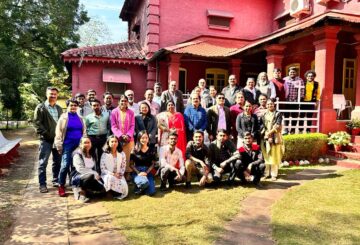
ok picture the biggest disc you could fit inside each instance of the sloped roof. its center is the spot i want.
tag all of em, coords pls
(119, 52)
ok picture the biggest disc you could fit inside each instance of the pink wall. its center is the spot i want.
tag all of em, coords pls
(183, 20)
(89, 75)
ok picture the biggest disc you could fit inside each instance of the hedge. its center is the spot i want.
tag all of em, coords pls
(304, 146)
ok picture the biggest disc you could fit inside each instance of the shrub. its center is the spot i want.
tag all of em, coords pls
(305, 146)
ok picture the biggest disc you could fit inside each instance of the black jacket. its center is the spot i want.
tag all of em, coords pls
(44, 123)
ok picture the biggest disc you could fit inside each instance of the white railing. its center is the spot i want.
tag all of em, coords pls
(297, 127)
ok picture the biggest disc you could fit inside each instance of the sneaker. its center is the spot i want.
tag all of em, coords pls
(43, 189)
(118, 197)
(61, 191)
(163, 187)
(273, 179)
(76, 193)
(55, 184)
(83, 199)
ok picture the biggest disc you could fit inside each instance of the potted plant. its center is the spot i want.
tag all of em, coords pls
(354, 126)
(339, 139)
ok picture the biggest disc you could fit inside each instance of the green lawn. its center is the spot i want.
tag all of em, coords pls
(324, 211)
(195, 216)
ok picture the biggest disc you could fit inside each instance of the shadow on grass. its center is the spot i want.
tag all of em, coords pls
(331, 228)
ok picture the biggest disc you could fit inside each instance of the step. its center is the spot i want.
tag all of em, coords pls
(355, 148)
(346, 163)
(355, 139)
(345, 154)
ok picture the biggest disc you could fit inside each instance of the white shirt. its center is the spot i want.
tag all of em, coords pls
(134, 107)
(174, 159)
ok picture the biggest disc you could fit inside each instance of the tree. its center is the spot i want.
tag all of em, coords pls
(94, 32)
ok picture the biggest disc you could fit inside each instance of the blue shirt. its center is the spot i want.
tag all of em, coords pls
(195, 118)
(74, 130)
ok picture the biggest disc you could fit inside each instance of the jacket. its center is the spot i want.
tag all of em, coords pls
(44, 124)
(151, 128)
(166, 97)
(129, 125)
(61, 128)
(243, 125)
(213, 120)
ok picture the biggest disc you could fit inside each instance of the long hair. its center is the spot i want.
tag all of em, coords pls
(80, 150)
(107, 147)
(138, 145)
(148, 114)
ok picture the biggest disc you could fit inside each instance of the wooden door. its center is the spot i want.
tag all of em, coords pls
(349, 79)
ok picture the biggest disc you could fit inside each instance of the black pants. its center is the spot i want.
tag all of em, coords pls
(232, 168)
(89, 183)
(167, 175)
(97, 143)
(293, 115)
(307, 114)
(256, 170)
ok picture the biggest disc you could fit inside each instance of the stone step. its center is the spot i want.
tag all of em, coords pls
(346, 163)
(355, 139)
(345, 155)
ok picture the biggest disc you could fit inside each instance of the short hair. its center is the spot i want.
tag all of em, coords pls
(147, 89)
(108, 93)
(71, 100)
(247, 133)
(95, 101)
(221, 130)
(212, 86)
(263, 95)
(240, 93)
(197, 131)
(128, 90)
(308, 72)
(91, 91)
(292, 68)
(276, 69)
(77, 95)
(250, 78)
(173, 132)
(158, 84)
(52, 88)
(219, 94)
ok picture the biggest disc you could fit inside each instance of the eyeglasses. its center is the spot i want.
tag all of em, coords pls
(221, 98)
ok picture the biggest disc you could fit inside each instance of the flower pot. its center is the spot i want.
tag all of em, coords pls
(337, 147)
(355, 131)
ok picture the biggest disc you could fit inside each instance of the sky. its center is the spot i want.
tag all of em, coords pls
(108, 12)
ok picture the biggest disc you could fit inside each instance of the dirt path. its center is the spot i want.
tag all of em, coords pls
(252, 225)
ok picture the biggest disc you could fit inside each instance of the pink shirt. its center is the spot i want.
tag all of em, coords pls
(222, 119)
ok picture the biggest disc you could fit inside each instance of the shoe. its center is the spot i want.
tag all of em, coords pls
(76, 191)
(84, 199)
(163, 187)
(55, 184)
(118, 197)
(188, 185)
(43, 189)
(61, 191)
(273, 179)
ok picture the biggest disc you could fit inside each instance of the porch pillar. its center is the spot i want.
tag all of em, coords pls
(151, 75)
(235, 68)
(325, 46)
(356, 112)
(275, 55)
(173, 68)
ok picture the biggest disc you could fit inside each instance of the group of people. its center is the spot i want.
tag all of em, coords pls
(102, 147)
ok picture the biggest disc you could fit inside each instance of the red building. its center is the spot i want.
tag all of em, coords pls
(188, 40)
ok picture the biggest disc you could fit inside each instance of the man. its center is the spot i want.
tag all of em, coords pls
(197, 161)
(157, 90)
(132, 105)
(46, 116)
(149, 96)
(279, 84)
(291, 86)
(97, 128)
(90, 96)
(171, 160)
(252, 163)
(312, 94)
(108, 98)
(174, 95)
(230, 91)
(209, 100)
(194, 116)
(84, 109)
(218, 117)
(223, 157)
(251, 93)
(204, 92)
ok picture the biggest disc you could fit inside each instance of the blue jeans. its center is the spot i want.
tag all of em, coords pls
(45, 149)
(66, 161)
(150, 190)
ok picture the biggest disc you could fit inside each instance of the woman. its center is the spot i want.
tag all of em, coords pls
(142, 161)
(113, 165)
(146, 121)
(84, 177)
(246, 122)
(69, 130)
(272, 144)
(259, 111)
(265, 86)
(123, 125)
(170, 119)
(235, 110)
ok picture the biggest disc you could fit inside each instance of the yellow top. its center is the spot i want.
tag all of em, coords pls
(308, 91)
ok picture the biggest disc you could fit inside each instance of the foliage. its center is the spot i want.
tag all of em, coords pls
(324, 211)
(304, 146)
(354, 123)
(339, 138)
(94, 32)
(195, 216)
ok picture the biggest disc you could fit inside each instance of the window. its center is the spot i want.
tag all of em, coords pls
(348, 81)
(296, 65)
(217, 77)
(182, 79)
(116, 88)
(219, 19)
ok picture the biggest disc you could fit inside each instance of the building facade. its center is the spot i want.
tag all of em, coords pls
(188, 40)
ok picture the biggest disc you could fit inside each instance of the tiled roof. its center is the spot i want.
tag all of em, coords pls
(119, 51)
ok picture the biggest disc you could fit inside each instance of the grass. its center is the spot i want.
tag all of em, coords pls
(195, 216)
(323, 211)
